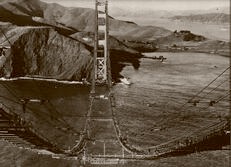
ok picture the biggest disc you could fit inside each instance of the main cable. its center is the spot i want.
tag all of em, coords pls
(5, 37)
(215, 88)
(54, 108)
(204, 88)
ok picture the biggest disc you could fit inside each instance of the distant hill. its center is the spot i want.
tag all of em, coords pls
(35, 12)
(205, 18)
(42, 32)
(225, 10)
(130, 13)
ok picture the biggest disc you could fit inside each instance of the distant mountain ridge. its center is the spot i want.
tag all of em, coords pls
(152, 13)
(57, 42)
(205, 18)
(22, 12)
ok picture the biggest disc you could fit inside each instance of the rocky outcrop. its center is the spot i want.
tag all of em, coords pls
(44, 52)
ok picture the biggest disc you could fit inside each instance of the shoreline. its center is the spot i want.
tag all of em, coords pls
(44, 79)
(168, 51)
(73, 82)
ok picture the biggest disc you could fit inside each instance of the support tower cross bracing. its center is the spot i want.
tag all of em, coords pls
(101, 51)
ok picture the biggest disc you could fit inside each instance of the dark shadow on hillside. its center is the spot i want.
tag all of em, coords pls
(20, 20)
(214, 143)
(119, 59)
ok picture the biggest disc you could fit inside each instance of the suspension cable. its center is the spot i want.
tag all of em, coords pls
(223, 97)
(54, 108)
(59, 120)
(13, 93)
(216, 101)
(204, 88)
(215, 88)
(5, 37)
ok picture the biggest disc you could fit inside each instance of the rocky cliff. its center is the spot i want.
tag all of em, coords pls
(46, 53)
(44, 45)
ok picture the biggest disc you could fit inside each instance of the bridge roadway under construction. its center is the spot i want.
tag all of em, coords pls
(101, 137)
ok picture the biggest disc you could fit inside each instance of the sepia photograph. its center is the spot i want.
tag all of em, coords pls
(124, 83)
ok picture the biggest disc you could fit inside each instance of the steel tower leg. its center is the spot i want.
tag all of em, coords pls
(101, 53)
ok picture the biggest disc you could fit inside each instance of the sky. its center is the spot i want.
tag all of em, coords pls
(149, 4)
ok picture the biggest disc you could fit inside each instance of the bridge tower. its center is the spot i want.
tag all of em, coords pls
(101, 71)
(100, 131)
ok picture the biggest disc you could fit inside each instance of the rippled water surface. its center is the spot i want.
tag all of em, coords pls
(148, 109)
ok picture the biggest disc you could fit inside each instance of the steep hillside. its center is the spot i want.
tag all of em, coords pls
(38, 37)
(29, 13)
(20, 12)
(42, 51)
(46, 53)
(35, 12)
(83, 20)
(12, 32)
(205, 18)
(23, 7)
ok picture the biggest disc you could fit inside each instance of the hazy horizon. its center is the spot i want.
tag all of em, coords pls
(149, 4)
